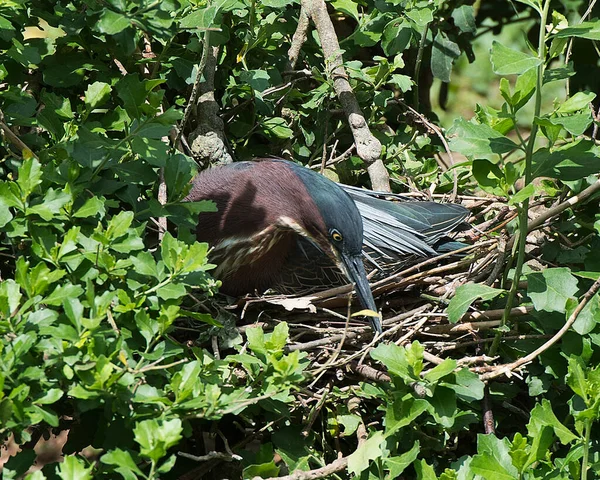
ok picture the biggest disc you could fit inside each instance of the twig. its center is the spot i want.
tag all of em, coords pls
(488, 415)
(315, 411)
(12, 138)
(210, 456)
(507, 369)
(570, 202)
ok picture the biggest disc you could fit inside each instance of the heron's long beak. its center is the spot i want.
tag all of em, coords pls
(356, 272)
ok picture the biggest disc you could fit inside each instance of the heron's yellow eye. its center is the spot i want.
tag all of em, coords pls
(337, 236)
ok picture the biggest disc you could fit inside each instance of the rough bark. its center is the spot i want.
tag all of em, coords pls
(368, 147)
(207, 142)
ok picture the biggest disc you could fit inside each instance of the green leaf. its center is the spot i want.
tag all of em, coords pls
(92, 207)
(478, 140)
(489, 177)
(349, 422)
(535, 4)
(49, 397)
(588, 318)
(403, 82)
(133, 93)
(402, 413)
(155, 437)
(550, 289)
(441, 370)
(125, 464)
(575, 124)
(360, 459)
(465, 296)
(424, 470)
(572, 161)
(62, 293)
(577, 102)
(396, 36)
(525, 193)
(276, 127)
(543, 416)
(118, 225)
(52, 203)
(256, 340)
(397, 464)
(576, 378)
(348, 7)
(506, 61)
(96, 94)
(493, 461)
(112, 22)
(443, 53)
(421, 16)
(589, 30)
(72, 468)
(277, 340)
(395, 360)
(466, 385)
(464, 18)
(30, 176)
(443, 405)
(171, 291)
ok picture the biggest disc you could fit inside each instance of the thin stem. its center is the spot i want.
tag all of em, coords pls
(586, 448)
(524, 208)
(418, 65)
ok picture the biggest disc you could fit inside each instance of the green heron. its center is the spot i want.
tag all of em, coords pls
(282, 226)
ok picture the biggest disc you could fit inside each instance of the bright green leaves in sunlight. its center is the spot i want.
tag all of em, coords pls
(465, 296)
(478, 140)
(507, 61)
(551, 288)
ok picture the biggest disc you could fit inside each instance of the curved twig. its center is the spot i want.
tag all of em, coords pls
(507, 369)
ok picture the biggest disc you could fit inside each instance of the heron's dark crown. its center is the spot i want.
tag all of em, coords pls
(338, 211)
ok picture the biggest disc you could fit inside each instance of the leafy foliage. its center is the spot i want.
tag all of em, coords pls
(90, 296)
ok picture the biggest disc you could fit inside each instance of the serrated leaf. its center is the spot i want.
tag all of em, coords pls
(155, 437)
(396, 361)
(572, 161)
(122, 460)
(397, 464)
(360, 459)
(543, 416)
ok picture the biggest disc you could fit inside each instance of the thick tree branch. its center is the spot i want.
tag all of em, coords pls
(367, 146)
(207, 141)
(298, 40)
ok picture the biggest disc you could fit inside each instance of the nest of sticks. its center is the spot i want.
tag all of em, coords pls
(413, 302)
